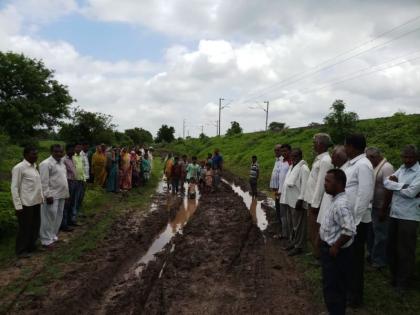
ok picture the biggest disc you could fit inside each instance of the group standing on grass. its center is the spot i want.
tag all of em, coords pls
(49, 199)
(347, 202)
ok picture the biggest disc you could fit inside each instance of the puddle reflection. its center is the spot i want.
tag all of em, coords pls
(183, 215)
(254, 205)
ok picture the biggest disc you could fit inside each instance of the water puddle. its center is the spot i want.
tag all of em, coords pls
(173, 227)
(253, 204)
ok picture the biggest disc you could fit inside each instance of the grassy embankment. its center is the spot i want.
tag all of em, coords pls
(389, 134)
(100, 208)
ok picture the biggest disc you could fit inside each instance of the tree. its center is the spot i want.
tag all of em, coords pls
(122, 139)
(165, 134)
(30, 98)
(139, 136)
(234, 129)
(203, 137)
(84, 126)
(276, 126)
(340, 123)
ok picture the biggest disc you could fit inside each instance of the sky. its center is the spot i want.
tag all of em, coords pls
(149, 63)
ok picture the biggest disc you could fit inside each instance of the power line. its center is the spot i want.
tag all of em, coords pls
(311, 70)
(360, 71)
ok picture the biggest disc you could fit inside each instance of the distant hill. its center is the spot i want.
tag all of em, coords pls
(388, 133)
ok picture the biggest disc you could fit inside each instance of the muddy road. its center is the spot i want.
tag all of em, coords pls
(209, 255)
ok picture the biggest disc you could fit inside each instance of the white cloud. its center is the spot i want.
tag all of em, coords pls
(245, 52)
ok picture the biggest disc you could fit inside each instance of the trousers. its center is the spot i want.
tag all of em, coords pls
(336, 276)
(402, 250)
(358, 280)
(299, 228)
(51, 217)
(29, 221)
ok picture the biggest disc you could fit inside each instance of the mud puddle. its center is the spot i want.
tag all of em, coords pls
(174, 226)
(254, 205)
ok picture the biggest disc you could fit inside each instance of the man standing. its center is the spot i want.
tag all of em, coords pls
(378, 232)
(27, 197)
(71, 181)
(336, 232)
(56, 190)
(359, 190)
(274, 182)
(217, 163)
(294, 190)
(339, 160)
(80, 178)
(254, 173)
(405, 218)
(314, 190)
(183, 162)
(284, 167)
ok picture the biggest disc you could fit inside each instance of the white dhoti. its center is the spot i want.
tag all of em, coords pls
(51, 216)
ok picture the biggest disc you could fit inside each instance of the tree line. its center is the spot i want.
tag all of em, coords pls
(34, 105)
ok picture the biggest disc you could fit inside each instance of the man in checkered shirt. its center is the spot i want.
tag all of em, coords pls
(337, 234)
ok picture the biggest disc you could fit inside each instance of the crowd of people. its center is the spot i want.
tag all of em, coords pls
(350, 201)
(205, 174)
(49, 199)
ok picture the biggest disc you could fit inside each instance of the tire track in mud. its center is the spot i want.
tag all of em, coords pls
(220, 264)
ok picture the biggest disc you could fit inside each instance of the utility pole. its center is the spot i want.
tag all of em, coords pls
(220, 113)
(183, 129)
(202, 129)
(266, 115)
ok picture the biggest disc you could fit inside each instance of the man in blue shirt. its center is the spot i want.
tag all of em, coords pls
(217, 167)
(405, 218)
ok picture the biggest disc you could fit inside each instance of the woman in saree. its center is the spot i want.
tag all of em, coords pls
(99, 166)
(135, 181)
(126, 170)
(168, 170)
(145, 164)
(113, 182)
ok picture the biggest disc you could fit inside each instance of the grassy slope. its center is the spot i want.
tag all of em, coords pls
(389, 134)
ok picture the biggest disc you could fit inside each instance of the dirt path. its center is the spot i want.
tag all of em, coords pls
(219, 263)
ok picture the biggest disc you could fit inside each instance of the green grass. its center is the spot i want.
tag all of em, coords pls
(389, 134)
(101, 210)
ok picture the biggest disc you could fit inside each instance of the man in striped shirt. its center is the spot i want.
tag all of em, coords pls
(337, 233)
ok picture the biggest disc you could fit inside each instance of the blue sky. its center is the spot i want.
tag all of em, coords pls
(110, 41)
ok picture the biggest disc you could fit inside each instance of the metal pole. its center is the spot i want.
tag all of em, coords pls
(266, 115)
(220, 113)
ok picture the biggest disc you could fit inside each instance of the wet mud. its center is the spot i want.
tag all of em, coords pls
(209, 255)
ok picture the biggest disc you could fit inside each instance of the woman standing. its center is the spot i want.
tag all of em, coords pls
(99, 166)
(126, 170)
(113, 184)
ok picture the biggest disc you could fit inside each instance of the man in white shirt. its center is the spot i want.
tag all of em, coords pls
(283, 166)
(293, 192)
(54, 185)
(314, 190)
(359, 190)
(27, 197)
(274, 181)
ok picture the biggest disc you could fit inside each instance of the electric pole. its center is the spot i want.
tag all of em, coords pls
(183, 129)
(266, 115)
(220, 113)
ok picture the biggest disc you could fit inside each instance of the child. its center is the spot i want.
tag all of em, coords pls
(254, 173)
(193, 170)
(209, 178)
(202, 176)
(176, 174)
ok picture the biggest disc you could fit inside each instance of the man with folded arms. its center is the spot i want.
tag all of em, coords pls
(405, 218)
(54, 185)
(27, 197)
